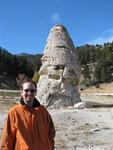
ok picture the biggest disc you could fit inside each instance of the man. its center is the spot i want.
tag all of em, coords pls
(28, 125)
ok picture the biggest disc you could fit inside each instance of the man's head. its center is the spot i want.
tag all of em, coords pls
(28, 91)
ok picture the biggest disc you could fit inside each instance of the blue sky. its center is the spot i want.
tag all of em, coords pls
(25, 24)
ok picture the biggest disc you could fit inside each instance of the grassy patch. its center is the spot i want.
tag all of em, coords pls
(10, 93)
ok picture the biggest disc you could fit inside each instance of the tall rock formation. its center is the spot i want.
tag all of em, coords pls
(60, 71)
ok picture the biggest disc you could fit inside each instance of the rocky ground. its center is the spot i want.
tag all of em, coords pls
(89, 128)
(82, 129)
(85, 129)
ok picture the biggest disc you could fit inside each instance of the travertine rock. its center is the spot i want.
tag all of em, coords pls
(60, 71)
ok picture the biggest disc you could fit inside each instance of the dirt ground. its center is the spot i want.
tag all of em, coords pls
(82, 129)
(89, 128)
(102, 88)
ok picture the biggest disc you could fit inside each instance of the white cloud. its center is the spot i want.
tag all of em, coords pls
(101, 40)
(55, 17)
(106, 36)
(110, 31)
(43, 23)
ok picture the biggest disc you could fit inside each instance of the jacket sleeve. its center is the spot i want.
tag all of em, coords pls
(51, 132)
(8, 134)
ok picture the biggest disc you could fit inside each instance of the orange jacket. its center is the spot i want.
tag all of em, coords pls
(28, 129)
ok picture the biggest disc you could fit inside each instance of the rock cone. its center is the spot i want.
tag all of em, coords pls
(60, 71)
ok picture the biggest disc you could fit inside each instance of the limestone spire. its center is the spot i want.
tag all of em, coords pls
(60, 71)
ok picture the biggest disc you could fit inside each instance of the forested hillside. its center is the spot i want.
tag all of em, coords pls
(96, 63)
(12, 66)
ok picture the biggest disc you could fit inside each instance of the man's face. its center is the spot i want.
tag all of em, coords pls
(28, 92)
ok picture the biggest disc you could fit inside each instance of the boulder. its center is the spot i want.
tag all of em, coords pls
(60, 71)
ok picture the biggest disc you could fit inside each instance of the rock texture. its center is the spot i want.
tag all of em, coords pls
(60, 71)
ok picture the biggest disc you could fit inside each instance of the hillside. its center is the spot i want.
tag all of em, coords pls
(96, 65)
(103, 88)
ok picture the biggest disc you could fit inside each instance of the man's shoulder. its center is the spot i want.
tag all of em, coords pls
(43, 109)
(15, 107)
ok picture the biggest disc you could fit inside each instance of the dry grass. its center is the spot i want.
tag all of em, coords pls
(103, 88)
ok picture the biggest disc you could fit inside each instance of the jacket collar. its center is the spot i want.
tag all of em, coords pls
(35, 102)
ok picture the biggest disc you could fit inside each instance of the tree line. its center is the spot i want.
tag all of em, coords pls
(96, 63)
(12, 66)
